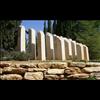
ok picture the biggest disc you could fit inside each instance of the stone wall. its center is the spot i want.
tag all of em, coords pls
(15, 70)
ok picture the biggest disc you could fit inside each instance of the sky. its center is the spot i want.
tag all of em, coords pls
(35, 24)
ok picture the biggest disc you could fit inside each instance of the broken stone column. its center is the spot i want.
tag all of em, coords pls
(74, 50)
(41, 46)
(86, 53)
(80, 51)
(59, 48)
(21, 39)
(49, 46)
(32, 43)
(68, 49)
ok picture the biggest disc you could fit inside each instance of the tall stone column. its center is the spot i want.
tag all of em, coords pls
(41, 46)
(49, 46)
(59, 48)
(32, 43)
(68, 49)
(21, 46)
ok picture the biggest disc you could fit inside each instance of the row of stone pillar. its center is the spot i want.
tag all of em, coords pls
(51, 47)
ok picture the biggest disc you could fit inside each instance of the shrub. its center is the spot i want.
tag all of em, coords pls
(21, 56)
(91, 78)
(14, 55)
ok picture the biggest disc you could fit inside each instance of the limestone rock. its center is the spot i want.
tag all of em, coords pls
(54, 77)
(43, 65)
(55, 71)
(91, 69)
(4, 65)
(69, 71)
(28, 65)
(59, 66)
(96, 74)
(36, 70)
(11, 70)
(72, 70)
(76, 64)
(33, 76)
(0, 70)
(78, 76)
(11, 77)
(92, 64)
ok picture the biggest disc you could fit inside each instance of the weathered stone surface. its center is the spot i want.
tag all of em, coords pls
(59, 48)
(49, 46)
(0, 70)
(59, 66)
(11, 77)
(72, 70)
(69, 71)
(74, 50)
(54, 77)
(21, 45)
(92, 64)
(78, 76)
(43, 65)
(36, 70)
(32, 43)
(68, 49)
(33, 76)
(4, 65)
(41, 46)
(96, 74)
(77, 64)
(10, 70)
(55, 71)
(91, 69)
(28, 65)
(52, 65)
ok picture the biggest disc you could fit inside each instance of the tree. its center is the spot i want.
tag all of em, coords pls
(45, 28)
(49, 26)
(54, 26)
(8, 34)
(84, 31)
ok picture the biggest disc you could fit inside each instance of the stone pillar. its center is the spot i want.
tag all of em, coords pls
(59, 48)
(86, 53)
(74, 50)
(21, 39)
(49, 46)
(41, 46)
(32, 43)
(80, 51)
(68, 49)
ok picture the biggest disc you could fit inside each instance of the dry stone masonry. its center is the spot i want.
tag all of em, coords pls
(51, 46)
(36, 70)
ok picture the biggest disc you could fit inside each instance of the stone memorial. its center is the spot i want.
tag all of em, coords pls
(68, 49)
(32, 43)
(41, 46)
(21, 39)
(49, 46)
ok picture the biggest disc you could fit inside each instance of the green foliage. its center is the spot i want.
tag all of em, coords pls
(14, 55)
(49, 26)
(8, 36)
(54, 26)
(91, 78)
(21, 56)
(84, 31)
(45, 28)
